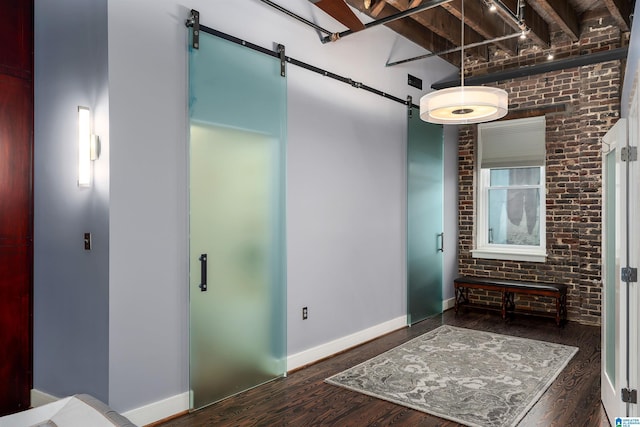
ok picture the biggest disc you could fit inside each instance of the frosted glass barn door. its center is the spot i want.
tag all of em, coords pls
(425, 219)
(613, 366)
(237, 110)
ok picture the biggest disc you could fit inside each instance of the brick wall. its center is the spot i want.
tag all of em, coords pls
(591, 97)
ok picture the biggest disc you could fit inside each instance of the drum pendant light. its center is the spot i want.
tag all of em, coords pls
(464, 104)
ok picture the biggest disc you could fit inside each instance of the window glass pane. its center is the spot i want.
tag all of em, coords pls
(514, 216)
(515, 176)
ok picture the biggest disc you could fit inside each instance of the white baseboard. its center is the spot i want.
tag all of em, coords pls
(147, 414)
(171, 406)
(448, 303)
(40, 398)
(314, 354)
(174, 405)
(159, 410)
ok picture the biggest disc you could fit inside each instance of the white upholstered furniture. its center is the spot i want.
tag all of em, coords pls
(80, 410)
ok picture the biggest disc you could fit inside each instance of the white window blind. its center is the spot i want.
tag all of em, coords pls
(512, 143)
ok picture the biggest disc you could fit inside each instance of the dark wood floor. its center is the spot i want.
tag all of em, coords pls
(303, 399)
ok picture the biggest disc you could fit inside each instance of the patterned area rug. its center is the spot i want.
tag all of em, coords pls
(470, 377)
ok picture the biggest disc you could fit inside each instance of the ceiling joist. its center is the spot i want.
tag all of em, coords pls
(539, 28)
(621, 12)
(564, 15)
(444, 24)
(410, 29)
(436, 24)
(485, 23)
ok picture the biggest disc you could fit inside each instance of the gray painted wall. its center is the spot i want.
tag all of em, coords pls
(450, 269)
(346, 186)
(71, 286)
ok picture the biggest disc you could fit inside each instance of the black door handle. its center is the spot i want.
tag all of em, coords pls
(203, 272)
(441, 248)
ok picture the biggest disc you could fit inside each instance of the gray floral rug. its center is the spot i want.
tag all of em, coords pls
(470, 377)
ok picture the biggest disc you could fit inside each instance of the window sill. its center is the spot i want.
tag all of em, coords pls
(509, 255)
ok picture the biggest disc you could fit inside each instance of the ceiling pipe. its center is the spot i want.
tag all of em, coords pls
(517, 17)
(456, 49)
(428, 5)
(562, 64)
(297, 17)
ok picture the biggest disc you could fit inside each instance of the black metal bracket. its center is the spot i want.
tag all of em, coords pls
(355, 84)
(629, 274)
(283, 60)
(629, 396)
(194, 21)
(410, 105)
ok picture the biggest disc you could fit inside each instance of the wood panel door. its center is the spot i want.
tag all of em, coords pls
(16, 204)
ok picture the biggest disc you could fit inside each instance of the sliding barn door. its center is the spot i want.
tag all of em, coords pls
(425, 219)
(237, 254)
(16, 204)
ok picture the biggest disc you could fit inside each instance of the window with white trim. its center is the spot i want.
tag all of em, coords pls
(510, 216)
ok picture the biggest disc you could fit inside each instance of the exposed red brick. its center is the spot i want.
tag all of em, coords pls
(573, 171)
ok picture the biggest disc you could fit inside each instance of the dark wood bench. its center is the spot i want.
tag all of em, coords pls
(508, 289)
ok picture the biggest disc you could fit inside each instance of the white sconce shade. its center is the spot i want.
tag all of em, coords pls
(84, 147)
(464, 105)
(88, 147)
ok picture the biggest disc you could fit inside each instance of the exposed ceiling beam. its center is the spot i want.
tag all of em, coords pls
(620, 10)
(377, 8)
(539, 28)
(485, 23)
(341, 13)
(445, 25)
(564, 15)
(411, 29)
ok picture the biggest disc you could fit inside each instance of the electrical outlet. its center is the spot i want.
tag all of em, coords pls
(305, 313)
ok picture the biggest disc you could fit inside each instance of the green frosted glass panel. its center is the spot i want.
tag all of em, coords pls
(610, 268)
(424, 219)
(237, 108)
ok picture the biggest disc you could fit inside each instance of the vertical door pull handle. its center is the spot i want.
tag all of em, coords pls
(441, 248)
(203, 272)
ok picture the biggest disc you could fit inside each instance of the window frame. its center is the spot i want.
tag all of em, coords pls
(482, 247)
(485, 249)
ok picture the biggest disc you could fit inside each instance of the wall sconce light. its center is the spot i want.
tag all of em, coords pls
(88, 147)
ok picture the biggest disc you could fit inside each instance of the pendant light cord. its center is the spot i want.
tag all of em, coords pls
(462, 47)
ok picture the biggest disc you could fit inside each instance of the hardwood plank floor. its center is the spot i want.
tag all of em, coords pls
(303, 399)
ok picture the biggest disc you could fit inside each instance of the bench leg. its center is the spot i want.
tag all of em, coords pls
(461, 297)
(561, 309)
(509, 303)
